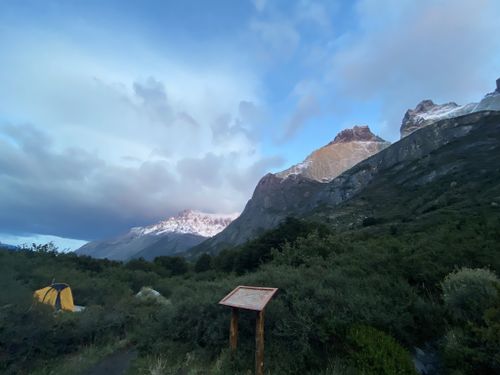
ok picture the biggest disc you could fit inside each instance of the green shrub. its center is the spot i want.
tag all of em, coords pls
(472, 341)
(203, 264)
(467, 293)
(373, 352)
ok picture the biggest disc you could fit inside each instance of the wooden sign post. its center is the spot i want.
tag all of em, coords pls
(249, 298)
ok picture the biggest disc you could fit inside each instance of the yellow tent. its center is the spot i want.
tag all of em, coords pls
(57, 295)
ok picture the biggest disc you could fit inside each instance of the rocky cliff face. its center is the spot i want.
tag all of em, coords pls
(459, 176)
(348, 148)
(288, 193)
(491, 102)
(426, 112)
(300, 197)
(412, 148)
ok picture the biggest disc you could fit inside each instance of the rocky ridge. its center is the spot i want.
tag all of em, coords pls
(348, 148)
(427, 112)
(274, 199)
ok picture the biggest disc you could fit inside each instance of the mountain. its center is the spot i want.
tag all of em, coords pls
(8, 247)
(348, 148)
(283, 193)
(426, 112)
(168, 237)
(411, 161)
(447, 172)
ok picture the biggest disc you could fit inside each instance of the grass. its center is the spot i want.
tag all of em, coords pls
(79, 362)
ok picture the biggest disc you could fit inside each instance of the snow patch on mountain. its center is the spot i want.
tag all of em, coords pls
(189, 222)
(295, 169)
(426, 112)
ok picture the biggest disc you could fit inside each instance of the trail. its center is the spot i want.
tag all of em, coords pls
(115, 364)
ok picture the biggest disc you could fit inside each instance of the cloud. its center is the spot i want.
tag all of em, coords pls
(317, 13)
(240, 179)
(307, 106)
(412, 50)
(90, 148)
(280, 38)
(154, 100)
(242, 128)
(260, 4)
(73, 194)
(205, 171)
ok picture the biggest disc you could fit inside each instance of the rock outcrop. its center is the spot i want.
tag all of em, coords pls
(426, 112)
(491, 102)
(348, 148)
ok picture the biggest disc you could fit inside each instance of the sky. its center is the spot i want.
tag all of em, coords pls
(117, 113)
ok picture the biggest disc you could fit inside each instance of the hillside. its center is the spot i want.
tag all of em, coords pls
(409, 160)
(461, 176)
(366, 293)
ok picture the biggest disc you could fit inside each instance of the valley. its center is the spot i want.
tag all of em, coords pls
(367, 256)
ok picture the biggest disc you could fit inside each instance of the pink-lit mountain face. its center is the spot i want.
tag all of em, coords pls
(348, 148)
(167, 237)
(189, 222)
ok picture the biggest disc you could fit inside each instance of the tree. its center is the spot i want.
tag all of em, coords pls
(204, 263)
(174, 265)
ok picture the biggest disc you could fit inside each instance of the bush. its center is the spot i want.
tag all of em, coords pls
(472, 297)
(374, 352)
(173, 265)
(467, 293)
(204, 263)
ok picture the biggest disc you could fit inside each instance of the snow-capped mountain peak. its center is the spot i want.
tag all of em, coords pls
(427, 112)
(189, 221)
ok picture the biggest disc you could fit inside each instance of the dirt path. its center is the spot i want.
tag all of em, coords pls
(115, 364)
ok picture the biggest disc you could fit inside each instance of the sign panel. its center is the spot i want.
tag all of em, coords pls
(249, 297)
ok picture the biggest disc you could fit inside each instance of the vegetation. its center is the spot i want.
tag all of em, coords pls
(374, 352)
(350, 302)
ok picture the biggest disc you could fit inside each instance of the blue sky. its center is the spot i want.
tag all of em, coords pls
(119, 113)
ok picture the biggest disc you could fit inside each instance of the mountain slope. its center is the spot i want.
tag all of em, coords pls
(461, 177)
(273, 200)
(348, 148)
(278, 194)
(168, 237)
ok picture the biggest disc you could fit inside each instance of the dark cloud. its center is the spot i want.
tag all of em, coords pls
(26, 152)
(205, 171)
(225, 128)
(241, 180)
(74, 194)
(246, 123)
